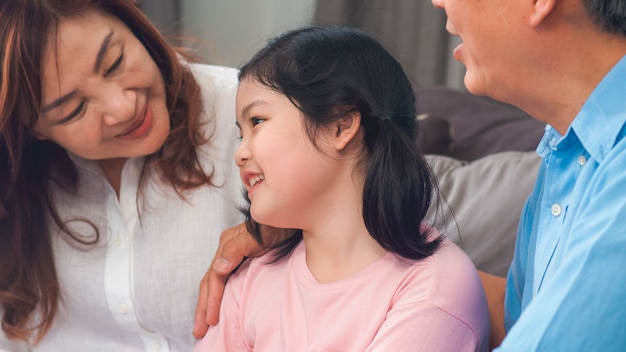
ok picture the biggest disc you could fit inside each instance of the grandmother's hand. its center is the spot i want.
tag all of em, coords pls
(235, 244)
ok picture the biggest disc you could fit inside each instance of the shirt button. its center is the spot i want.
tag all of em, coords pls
(582, 160)
(122, 309)
(556, 209)
(119, 241)
(156, 346)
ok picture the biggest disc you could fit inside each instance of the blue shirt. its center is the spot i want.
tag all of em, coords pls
(566, 287)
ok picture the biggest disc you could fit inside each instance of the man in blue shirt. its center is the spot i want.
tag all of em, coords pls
(563, 62)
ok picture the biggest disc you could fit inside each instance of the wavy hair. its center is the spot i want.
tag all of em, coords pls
(29, 166)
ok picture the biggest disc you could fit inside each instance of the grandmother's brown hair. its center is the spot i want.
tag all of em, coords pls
(28, 166)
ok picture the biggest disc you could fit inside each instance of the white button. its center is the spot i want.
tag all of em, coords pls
(582, 160)
(556, 209)
(156, 346)
(119, 241)
(122, 309)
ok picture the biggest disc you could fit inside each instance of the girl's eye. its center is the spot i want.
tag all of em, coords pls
(115, 65)
(79, 109)
(256, 120)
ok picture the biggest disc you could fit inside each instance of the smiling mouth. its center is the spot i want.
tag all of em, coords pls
(256, 179)
(140, 127)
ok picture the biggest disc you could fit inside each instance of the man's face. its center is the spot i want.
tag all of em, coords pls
(488, 31)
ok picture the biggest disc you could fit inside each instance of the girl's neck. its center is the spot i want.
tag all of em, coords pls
(340, 253)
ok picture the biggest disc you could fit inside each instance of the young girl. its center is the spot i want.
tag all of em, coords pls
(327, 120)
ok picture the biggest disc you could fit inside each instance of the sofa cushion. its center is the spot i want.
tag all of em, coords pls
(482, 202)
(467, 127)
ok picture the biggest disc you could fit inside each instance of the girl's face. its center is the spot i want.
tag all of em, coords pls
(287, 178)
(103, 97)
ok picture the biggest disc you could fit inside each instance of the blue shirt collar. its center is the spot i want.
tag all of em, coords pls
(600, 120)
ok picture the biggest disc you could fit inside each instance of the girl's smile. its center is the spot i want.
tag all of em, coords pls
(282, 183)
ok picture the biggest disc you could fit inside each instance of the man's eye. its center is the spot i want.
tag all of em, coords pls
(79, 109)
(115, 65)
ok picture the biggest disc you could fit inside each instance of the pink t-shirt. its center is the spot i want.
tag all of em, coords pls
(434, 304)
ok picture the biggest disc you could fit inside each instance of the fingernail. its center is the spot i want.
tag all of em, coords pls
(221, 264)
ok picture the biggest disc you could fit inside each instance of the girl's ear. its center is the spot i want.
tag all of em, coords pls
(346, 128)
(540, 10)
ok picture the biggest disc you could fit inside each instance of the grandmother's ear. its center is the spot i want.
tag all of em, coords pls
(346, 129)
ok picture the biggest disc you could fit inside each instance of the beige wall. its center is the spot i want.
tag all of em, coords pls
(235, 29)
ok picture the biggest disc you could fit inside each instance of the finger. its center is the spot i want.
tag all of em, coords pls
(239, 244)
(200, 319)
(234, 246)
(200, 326)
(217, 283)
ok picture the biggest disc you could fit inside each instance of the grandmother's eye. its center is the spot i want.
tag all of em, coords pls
(115, 65)
(76, 112)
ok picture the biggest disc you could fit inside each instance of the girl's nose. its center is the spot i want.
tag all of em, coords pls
(120, 107)
(242, 154)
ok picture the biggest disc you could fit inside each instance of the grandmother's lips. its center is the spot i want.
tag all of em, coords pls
(140, 128)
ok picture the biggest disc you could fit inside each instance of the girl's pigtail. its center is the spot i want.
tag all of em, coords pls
(397, 192)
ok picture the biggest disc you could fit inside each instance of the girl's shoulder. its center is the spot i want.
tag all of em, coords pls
(449, 268)
(448, 280)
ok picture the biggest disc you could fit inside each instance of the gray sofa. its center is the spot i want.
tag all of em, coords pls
(482, 153)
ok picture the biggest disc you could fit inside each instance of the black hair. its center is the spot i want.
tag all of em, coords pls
(608, 15)
(329, 72)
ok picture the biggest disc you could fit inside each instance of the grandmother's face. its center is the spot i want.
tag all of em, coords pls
(103, 97)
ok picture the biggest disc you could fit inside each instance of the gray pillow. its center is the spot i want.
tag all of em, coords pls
(482, 203)
(467, 127)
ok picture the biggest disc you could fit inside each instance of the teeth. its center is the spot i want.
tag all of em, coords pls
(254, 180)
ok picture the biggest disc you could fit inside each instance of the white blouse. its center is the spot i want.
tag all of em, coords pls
(137, 288)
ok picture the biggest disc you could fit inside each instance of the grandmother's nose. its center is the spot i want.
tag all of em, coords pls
(120, 106)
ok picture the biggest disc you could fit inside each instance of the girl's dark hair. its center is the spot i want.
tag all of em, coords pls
(608, 15)
(29, 166)
(328, 72)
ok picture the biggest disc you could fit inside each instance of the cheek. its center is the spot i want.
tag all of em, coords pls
(299, 174)
(76, 140)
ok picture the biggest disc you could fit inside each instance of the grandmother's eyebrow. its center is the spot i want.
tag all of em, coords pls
(102, 51)
(58, 102)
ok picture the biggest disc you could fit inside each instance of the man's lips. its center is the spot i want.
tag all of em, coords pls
(457, 52)
(140, 127)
